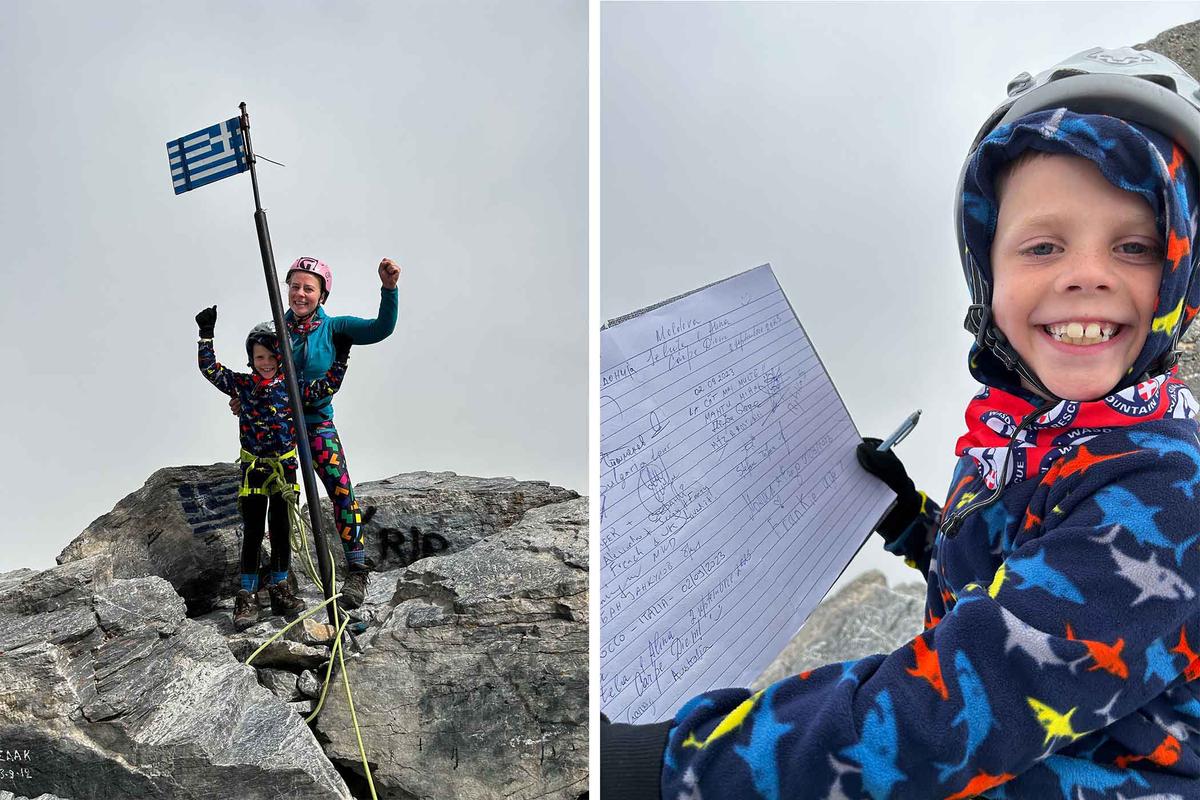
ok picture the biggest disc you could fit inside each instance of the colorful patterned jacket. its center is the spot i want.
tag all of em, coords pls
(265, 422)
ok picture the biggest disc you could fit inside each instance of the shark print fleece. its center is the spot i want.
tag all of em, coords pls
(1059, 658)
(1061, 650)
(266, 425)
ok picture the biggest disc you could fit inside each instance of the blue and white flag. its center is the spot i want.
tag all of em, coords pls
(208, 155)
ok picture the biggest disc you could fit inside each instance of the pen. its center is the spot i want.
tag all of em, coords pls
(904, 430)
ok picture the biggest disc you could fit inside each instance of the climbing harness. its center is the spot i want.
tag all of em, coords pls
(276, 480)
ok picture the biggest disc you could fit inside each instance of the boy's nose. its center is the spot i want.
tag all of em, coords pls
(1086, 273)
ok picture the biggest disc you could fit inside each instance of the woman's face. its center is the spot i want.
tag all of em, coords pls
(304, 293)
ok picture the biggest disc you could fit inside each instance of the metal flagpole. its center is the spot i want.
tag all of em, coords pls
(293, 383)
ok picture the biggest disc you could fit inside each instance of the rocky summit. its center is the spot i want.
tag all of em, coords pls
(184, 525)
(121, 674)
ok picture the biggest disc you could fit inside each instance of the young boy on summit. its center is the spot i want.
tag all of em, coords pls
(1062, 637)
(268, 459)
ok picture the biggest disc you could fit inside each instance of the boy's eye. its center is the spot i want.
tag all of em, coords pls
(1041, 249)
(1139, 249)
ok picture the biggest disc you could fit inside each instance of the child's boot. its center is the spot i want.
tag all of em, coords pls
(355, 587)
(283, 602)
(245, 610)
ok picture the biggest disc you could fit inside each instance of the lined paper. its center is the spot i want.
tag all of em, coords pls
(730, 495)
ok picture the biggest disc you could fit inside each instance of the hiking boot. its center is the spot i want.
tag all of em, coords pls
(354, 588)
(283, 602)
(245, 610)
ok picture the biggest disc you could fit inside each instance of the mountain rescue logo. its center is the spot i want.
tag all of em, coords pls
(990, 460)
(1060, 416)
(1181, 402)
(1137, 401)
(1005, 425)
(1077, 436)
(1052, 455)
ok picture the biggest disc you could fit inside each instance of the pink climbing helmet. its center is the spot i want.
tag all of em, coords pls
(316, 267)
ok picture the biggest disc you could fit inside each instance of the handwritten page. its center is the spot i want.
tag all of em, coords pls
(731, 498)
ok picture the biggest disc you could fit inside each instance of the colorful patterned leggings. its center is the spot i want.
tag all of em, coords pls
(329, 462)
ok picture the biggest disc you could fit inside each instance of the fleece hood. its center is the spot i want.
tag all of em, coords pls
(1131, 157)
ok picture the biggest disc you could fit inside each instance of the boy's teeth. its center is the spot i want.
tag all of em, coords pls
(1081, 334)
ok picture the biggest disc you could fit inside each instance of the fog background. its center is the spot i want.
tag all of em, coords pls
(450, 136)
(826, 139)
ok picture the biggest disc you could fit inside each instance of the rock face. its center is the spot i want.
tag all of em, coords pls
(863, 618)
(422, 514)
(116, 694)
(1181, 44)
(479, 671)
(184, 524)
(469, 667)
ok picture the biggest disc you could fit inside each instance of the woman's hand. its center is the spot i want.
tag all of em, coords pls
(389, 273)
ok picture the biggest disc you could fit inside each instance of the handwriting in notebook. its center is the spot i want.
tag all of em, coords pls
(730, 495)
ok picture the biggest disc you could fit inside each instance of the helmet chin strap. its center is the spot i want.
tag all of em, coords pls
(989, 337)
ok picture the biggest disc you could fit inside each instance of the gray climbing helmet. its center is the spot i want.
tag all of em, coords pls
(263, 333)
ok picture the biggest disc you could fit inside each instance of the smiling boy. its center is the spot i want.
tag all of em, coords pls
(267, 431)
(1062, 620)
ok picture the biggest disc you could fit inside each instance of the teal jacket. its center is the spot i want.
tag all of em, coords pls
(313, 352)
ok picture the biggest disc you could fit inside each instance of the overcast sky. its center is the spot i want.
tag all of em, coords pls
(825, 139)
(449, 136)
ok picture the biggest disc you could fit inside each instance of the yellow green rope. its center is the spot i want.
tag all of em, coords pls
(299, 540)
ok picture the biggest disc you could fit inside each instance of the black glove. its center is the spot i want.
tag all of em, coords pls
(886, 467)
(206, 320)
(631, 759)
(341, 347)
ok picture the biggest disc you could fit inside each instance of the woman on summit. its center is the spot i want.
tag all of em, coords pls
(309, 282)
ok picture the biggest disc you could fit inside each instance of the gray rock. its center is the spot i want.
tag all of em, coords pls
(7, 795)
(281, 683)
(312, 632)
(1181, 44)
(301, 707)
(282, 653)
(478, 675)
(309, 684)
(116, 694)
(420, 514)
(182, 525)
(863, 618)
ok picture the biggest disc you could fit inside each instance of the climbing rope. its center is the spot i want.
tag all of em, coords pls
(276, 481)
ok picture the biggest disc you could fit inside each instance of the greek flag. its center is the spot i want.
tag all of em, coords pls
(208, 155)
